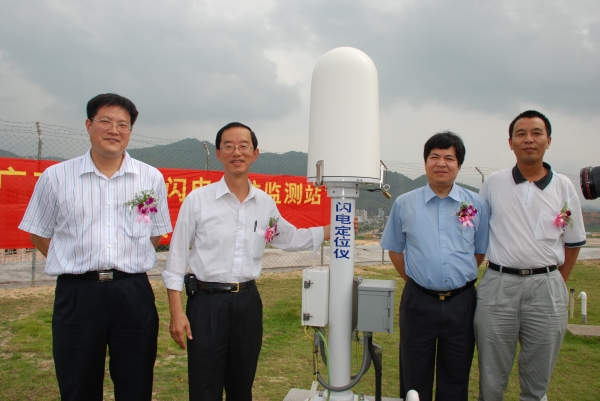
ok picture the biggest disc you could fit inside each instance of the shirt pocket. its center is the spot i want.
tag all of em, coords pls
(134, 228)
(467, 238)
(545, 230)
(258, 243)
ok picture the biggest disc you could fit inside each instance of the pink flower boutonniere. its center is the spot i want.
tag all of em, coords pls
(145, 204)
(272, 230)
(465, 214)
(563, 218)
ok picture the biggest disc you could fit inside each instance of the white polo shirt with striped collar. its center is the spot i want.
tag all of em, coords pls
(522, 229)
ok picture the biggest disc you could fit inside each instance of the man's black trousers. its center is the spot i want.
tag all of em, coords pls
(227, 337)
(90, 316)
(438, 334)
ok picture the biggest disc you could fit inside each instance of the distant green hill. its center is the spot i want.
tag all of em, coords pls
(6, 153)
(190, 154)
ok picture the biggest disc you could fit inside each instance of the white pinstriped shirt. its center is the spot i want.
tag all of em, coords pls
(227, 238)
(83, 212)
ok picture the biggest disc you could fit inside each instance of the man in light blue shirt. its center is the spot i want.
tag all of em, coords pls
(437, 236)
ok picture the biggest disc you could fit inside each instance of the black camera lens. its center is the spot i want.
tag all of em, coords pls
(589, 177)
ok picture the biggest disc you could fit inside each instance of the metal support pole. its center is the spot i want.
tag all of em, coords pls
(384, 224)
(39, 156)
(341, 276)
(40, 142)
(33, 253)
(572, 303)
(482, 176)
(322, 250)
(207, 154)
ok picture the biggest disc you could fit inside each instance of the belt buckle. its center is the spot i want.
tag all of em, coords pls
(237, 287)
(442, 297)
(525, 272)
(105, 276)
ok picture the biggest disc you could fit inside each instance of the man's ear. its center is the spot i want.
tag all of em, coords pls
(255, 156)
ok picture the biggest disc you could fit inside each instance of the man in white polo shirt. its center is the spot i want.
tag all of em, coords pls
(536, 231)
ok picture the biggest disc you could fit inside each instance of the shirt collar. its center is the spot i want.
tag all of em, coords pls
(127, 165)
(453, 194)
(223, 189)
(542, 183)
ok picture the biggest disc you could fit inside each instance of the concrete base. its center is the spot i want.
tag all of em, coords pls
(297, 394)
(584, 330)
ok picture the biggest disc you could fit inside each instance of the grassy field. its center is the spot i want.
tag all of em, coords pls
(27, 370)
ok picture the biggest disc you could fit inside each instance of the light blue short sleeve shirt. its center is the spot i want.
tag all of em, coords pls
(439, 251)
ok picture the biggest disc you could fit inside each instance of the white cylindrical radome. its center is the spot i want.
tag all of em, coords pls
(344, 118)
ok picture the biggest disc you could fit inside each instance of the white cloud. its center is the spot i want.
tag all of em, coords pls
(192, 66)
(20, 99)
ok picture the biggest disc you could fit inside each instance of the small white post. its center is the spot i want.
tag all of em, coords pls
(583, 296)
(572, 303)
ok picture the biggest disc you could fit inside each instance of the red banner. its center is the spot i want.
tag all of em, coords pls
(300, 203)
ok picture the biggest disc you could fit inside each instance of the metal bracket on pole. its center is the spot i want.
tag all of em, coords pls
(320, 170)
(383, 174)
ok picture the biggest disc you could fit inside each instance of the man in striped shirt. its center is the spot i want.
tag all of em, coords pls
(101, 249)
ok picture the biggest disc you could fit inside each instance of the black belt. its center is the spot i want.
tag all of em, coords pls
(101, 275)
(521, 272)
(443, 295)
(212, 288)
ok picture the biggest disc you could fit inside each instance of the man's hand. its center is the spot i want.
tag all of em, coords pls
(179, 325)
(327, 229)
(180, 328)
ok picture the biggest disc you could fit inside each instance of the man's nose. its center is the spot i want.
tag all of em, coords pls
(113, 129)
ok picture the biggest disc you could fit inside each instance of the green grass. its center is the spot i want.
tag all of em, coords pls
(27, 369)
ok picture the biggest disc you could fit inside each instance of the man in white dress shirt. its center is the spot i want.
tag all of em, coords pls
(100, 250)
(224, 224)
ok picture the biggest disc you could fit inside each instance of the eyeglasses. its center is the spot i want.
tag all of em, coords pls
(243, 148)
(123, 128)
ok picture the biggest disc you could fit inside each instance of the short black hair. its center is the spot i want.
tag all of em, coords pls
(446, 140)
(530, 114)
(233, 125)
(111, 99)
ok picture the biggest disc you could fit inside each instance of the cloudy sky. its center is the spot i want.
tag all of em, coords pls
(191, 66)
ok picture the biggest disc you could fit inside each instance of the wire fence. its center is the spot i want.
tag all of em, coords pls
(36, 140)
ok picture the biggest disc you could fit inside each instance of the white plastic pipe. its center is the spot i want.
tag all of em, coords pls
(583, 296)
(341, 276)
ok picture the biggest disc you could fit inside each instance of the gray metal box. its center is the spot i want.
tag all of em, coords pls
(315, 296)
(376, 306)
